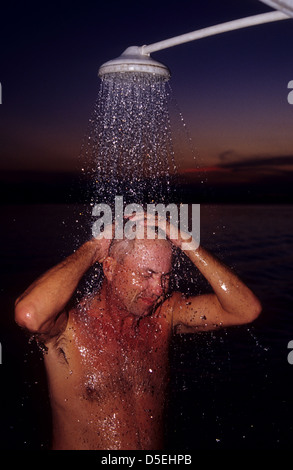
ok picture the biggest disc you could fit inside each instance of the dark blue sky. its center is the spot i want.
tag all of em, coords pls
(231, 88)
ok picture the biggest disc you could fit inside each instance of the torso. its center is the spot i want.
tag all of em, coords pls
(108, 388)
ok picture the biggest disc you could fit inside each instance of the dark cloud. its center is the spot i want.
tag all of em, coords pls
(257, 161)
(227, 155)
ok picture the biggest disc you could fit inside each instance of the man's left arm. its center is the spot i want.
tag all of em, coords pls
(232, 302)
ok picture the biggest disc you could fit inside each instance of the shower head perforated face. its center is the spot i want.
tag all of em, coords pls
(133, 60)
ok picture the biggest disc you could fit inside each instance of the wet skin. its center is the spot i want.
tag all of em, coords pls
(107, 360)
(108, 370)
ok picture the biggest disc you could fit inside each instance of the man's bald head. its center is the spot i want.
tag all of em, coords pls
(138, 273)
(119, 249)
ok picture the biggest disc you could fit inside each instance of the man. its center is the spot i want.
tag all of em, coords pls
(107, 358)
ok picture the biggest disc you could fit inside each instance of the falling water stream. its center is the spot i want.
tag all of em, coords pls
(128, 149)
(135, 140)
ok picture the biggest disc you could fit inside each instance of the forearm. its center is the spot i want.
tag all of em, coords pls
(49, 294)
(233, 295)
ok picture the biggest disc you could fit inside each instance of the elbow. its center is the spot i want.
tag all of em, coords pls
(254, 310)
(248, 313)
(24, 315)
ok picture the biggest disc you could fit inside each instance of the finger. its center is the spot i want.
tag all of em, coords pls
(135, 215)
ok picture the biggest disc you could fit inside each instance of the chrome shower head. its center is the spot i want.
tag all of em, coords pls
(134, 60)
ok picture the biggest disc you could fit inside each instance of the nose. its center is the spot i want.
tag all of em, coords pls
(156, 285)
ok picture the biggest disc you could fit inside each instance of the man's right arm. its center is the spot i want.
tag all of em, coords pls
(40, 308)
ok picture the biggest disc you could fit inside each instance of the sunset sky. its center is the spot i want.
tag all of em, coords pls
(231, 89)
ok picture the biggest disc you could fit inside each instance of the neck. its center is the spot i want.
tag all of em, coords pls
(121, 319)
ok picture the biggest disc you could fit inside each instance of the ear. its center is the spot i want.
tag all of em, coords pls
(109, 266)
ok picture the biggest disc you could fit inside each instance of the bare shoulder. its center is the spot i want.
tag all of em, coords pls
(199, 312)
(49, 338)
(58, 347)
(169, 305)
(81, 319)
(66, 321)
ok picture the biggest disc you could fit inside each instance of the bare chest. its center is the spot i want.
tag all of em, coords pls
(115, 366)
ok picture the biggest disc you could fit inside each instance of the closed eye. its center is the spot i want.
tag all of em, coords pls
(147, 275)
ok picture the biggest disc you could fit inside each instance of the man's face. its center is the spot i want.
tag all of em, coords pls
(143, 277)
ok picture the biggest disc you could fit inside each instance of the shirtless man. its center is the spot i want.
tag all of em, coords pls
(107, 358)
